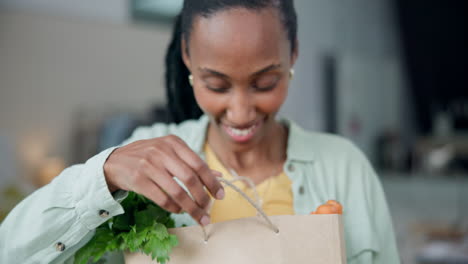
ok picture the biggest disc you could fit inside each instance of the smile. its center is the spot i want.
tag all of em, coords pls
(241, 135)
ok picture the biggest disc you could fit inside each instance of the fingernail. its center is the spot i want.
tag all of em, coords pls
(205, 220)
(220, 194)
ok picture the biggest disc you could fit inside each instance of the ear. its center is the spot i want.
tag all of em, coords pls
(185, 56)
(294, 53)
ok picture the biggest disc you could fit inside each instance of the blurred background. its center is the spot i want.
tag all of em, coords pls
(78, 76)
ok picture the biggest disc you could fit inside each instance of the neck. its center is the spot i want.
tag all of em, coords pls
(271, 149)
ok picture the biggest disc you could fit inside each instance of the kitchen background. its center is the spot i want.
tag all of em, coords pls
(78, 76)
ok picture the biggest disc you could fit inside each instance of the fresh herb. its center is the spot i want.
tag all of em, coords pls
(143, 228)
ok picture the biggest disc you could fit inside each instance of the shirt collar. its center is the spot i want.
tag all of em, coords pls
(298, 148)
(298, 142)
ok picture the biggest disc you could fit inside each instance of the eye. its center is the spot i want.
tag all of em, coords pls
(217, 90)
(266, 82)
(216, 85)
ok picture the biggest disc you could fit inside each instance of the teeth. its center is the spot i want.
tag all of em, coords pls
(242, 132)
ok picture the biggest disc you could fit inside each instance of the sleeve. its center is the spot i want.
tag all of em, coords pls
(51, 224)
(371, 234)
(381, 220)
(362, 258)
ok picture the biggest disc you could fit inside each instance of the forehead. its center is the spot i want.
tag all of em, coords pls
(238, 36)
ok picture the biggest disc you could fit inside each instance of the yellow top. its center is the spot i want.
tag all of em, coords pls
(275, 193)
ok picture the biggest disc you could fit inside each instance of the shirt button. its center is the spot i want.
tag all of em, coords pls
(60, 246)
(103, 213)
(301, 190)
(291, 168)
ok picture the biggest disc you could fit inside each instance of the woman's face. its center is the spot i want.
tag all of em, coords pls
(240, 61)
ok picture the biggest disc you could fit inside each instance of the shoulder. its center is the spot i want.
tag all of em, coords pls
(330, 144)
(334, 160)
(318, 146)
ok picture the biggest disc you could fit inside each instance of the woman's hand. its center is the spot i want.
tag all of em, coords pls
(148, 166)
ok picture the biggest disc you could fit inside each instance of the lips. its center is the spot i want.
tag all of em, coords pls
(242, 134)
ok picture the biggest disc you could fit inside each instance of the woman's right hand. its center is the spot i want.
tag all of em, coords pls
(148, 166)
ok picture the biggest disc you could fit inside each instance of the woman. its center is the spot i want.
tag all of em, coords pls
(228, 67)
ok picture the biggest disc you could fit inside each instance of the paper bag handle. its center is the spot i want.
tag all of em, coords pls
(259, 209)
(250, 183)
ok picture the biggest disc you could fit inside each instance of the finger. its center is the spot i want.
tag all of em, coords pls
(180, 196)
(217, 173)
(183, 172)
(152, 191)
(199, 166)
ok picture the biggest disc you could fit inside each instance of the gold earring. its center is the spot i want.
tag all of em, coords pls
(190, 79)
(291, 74)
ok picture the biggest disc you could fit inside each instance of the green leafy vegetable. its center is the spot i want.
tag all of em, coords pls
(143, 228)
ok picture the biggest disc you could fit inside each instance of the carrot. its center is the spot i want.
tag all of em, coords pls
(330, 207)
(337, 205)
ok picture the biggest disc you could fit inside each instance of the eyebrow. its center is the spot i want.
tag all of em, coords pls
(223, 75)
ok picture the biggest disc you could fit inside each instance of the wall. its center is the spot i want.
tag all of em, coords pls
(53, 66)
(108, 11)
(363, 38)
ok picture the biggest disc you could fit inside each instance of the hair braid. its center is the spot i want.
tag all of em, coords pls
(181, 99)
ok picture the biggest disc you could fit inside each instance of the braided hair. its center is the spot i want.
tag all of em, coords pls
(180, 96)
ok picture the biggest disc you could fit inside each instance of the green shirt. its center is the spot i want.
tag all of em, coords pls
(320, 166)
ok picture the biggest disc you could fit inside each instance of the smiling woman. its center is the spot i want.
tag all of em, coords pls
(240, 61)
(228, 69)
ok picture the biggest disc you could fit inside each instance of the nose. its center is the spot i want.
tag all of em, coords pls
(241, 108)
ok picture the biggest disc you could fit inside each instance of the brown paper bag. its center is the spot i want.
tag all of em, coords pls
(270, 240)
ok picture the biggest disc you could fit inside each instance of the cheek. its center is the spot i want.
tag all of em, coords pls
(271, 102)
(208, 101)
